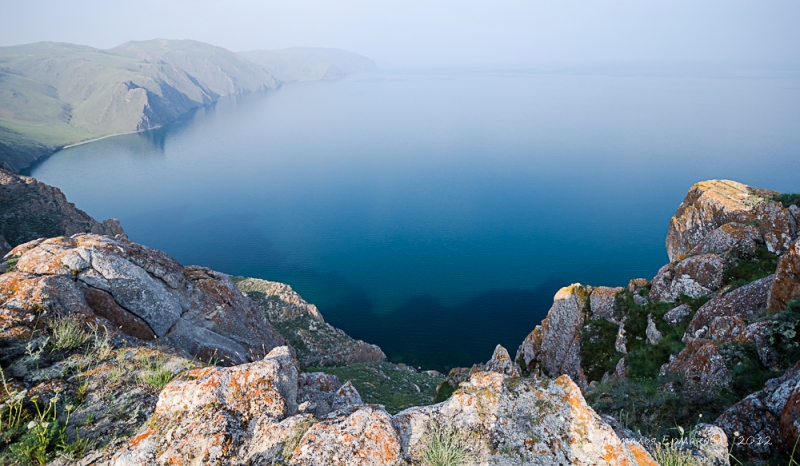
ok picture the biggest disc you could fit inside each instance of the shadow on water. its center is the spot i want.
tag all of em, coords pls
(423, 332)
(420, 332)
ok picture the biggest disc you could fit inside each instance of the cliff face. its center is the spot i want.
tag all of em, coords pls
(712, 327)
(31, 209)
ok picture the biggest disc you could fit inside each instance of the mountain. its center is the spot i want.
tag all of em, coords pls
(309, 63)
(56, 94)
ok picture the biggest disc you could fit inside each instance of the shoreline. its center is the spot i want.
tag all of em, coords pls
(87, 141)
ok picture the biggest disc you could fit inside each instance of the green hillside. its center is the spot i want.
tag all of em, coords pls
(54, 94)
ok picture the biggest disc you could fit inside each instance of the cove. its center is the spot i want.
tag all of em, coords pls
(436, 212)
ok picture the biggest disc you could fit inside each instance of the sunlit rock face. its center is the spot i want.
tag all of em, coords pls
(144, 292)
(532, 421)
(711, 204)
(554, 346)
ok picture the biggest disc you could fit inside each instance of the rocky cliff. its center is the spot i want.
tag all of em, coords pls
(112, 353)
(718, 324)
(31, 209)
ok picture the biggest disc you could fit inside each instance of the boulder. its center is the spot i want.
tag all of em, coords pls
(207, 415)
(743, 303)
(787, 279)
(709, 205)
(765, 420)
(364, 436)
(554, 346)
(603, 302)
(677, 315)
(32, 209)
(777, 226)
(532, 421)
(317, 343)
(501, 363)
(694, 276)
(702, 368)
(142, 291)
(795, 213)
(652, 333)
(621, 341)
(637, 284)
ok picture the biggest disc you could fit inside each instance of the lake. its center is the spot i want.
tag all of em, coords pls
(436, 212)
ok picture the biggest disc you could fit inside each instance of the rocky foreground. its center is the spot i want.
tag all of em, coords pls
(112, 353)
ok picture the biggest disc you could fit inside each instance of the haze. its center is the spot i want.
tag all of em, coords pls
(447, 33)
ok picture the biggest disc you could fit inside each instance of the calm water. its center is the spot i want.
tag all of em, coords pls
(436, 213)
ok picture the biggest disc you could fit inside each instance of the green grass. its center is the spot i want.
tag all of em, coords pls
(788, 199)
(387, 384)
(444, 447)
(68, 333)
(746, 271)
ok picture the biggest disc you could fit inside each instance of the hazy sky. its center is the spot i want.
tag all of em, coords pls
(435, 32)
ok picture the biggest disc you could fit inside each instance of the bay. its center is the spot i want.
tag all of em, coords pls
(436, 212)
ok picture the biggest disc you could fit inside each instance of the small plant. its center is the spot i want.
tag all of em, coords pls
(753, 200)
(444, 447)
(666, 454)
(35, 348)
(155, 373)
(11, 265)
(68, 333)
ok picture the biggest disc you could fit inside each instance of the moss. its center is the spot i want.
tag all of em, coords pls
(9, 266)
(394, 386)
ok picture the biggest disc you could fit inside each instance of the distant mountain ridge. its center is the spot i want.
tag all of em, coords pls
(309, 63)
(56, 94)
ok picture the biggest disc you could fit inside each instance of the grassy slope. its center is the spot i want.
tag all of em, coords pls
(54, 94)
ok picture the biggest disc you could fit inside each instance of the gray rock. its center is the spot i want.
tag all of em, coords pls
(554, 346)
(501, 363)
(677, 315)
(653, 335)
(603, 302)
(694, 276)
(193, 309)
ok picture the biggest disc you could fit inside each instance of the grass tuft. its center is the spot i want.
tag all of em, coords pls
(444, 447)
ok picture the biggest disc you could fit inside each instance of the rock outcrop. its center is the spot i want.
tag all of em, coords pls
(554, 346)
(603, 302)
(787, 279)
(536, 421)
(766, 420)
(31, 210)
(317, 343)
(138, 289)
(694, 276)
(714, 203)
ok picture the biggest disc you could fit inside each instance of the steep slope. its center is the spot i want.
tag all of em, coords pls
(717, 325)
(309, 63)
(32, 209)
(54, 94)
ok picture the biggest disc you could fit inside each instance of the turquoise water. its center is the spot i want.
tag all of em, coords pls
(435, 213)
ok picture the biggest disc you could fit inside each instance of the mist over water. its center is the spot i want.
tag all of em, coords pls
(436, 212)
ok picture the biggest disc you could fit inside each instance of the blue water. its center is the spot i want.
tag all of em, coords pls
(435, 213)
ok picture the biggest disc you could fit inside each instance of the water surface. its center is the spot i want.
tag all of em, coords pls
(435, 213)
